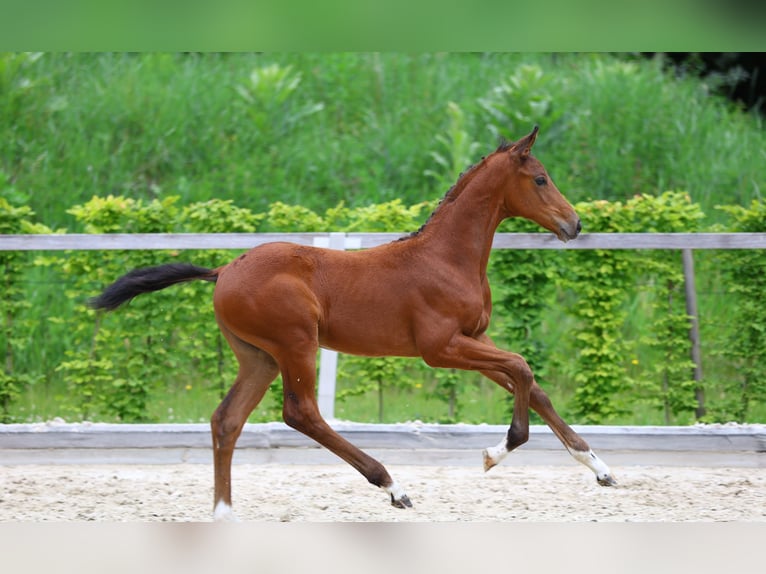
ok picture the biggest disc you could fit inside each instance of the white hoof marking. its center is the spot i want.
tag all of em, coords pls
(396, 491)
(589, 459)
(224, 513)
(496, 453)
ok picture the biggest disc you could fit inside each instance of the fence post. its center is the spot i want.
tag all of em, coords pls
(328, 359)
(694, 329)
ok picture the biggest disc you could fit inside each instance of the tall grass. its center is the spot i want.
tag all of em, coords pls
(635, 129)
(147, 125)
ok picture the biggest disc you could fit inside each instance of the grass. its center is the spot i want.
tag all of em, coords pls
(148, 125)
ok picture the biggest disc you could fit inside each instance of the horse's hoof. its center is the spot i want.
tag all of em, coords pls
(489, 462)
(606, 480)
(403, 502)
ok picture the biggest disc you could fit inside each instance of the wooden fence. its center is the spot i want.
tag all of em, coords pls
(684, 242)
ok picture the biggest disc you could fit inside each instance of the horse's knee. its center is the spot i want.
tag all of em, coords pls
(222, 425)
(522, 374)
(225, 430)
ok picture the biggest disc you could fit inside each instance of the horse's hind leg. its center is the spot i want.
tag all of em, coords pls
(301, 412)
(257, 369)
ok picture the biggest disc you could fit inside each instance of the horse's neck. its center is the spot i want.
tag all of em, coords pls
(463, 227)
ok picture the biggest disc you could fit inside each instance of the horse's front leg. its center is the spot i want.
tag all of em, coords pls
(464, 352)
(574, 443)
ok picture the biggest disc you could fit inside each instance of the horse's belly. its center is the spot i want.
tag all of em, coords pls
(369, 336)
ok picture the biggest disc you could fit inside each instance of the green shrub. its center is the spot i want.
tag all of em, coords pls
(667, 382)
(14, 323)
(600, 280)
(746, 341)
(606, 331)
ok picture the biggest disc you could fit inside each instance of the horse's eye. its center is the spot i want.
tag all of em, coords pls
(540, 180)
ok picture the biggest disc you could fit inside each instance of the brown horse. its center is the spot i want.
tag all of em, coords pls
(426, 296)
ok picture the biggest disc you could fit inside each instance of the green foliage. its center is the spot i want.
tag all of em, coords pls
(457, 149)
(602, 283)
(633, 129)
(392, 216)
(523, 287)
(600, 280)
(202, 343)
(219, 216)
(522, 101)
(375, 375)
(13, 304)
(138, 334)
(449, 383)
(88, 381)
(667, 382)
(286, 218)
(125, 215)
(11, 387)
(155, 338)
(317, 129)
(746, 342)
(605, 331)
(270, 103)
(16, 83)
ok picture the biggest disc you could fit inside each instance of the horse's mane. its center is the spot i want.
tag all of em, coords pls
(457, 188)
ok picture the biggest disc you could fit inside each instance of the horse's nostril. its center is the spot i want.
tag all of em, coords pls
(579, 226)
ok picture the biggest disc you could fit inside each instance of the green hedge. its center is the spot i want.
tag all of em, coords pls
(605, 330)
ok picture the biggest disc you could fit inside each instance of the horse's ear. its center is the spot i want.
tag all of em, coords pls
(523, 147)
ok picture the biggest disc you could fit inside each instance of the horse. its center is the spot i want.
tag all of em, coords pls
(424, 295)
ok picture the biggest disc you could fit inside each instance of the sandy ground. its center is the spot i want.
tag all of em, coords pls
(320, 493)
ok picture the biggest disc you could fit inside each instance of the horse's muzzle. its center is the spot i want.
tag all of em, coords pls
(569, 230)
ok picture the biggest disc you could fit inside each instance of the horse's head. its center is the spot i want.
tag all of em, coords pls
(530, 192)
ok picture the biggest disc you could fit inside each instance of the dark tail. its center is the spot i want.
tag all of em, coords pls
(148, 279)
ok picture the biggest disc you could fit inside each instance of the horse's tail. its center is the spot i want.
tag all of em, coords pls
(148, 279)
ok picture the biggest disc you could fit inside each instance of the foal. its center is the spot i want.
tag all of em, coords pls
(424, 296)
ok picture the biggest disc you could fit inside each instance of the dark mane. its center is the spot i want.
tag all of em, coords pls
(454, 191)
(450, 196)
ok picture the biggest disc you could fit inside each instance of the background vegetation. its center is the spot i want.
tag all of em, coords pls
(369, 142)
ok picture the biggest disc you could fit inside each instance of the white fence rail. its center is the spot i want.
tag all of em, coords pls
(111, 241)
(685, 242)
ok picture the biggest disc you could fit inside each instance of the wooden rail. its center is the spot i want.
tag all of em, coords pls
(132, 241)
